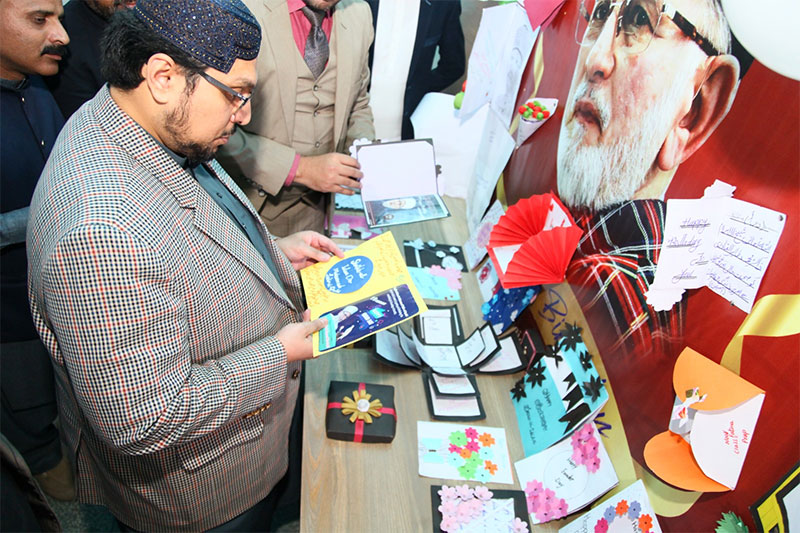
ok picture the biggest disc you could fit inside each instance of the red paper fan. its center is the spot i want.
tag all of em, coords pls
(533, 242)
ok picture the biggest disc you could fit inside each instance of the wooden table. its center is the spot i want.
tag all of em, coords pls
(358, 487)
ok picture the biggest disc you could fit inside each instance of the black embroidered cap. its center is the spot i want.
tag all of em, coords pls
(215, 32)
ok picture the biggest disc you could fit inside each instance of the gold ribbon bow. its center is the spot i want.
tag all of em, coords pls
(359, 407)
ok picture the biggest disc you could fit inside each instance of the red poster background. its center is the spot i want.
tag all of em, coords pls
(757, 149)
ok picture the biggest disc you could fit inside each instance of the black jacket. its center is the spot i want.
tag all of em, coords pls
(438, 24)
(79, 77)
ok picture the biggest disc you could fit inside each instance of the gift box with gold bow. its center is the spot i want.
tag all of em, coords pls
(360, 412)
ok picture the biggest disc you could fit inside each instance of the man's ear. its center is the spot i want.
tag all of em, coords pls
(711, 103)
(161, 74)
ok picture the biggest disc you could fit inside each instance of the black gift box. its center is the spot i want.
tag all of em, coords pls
(338, 425)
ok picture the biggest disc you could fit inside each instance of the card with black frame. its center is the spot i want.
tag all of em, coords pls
(490, 347)
(408, 347)
(423, 254)
(462, 408)
(387, 349)
(493, 510)
(439, 325)
(510, 357)
(453, 386)
(442, 358)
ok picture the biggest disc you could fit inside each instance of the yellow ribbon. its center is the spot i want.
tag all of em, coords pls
(773, 315)
(360, 407)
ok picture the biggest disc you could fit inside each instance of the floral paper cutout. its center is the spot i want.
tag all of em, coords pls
(585, 448)
(625, 511)
(471, 447)
(464, 507)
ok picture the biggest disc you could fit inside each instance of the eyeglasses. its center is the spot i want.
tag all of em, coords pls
(637, 21)
(221, 86)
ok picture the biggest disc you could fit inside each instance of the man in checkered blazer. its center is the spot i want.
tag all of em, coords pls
(174, 320)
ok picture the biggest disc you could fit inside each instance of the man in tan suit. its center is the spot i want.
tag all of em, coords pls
(293, 151)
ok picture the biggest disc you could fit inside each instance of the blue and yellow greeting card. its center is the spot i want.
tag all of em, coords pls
(559, 392)
(368, 290)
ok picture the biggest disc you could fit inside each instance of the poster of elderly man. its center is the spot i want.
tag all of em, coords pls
(657, 100)
(650, 84)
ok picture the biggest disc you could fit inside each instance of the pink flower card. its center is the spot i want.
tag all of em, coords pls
(567, 476)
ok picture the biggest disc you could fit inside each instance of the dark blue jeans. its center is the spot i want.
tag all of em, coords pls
(28, 408)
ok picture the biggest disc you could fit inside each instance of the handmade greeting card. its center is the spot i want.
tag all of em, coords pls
(439, 325)
(431, 253)
(448, 407)
(533, 242)
(388, 350)
(511, 356)
(464, 452)
(559, 392)
(475, 247)
(453, 386)
(722, 243)
(566, 477)
(489, 281)
(400, 182)
(345, 202)
(628, 511)
(368, 290)
(437, 283)
(506, 305)
(711, 427)
(462, 509)
(352, 226)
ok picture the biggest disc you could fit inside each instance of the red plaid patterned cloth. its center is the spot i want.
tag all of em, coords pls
(611, 271)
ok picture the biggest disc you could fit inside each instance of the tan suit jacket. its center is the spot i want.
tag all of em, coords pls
(262, 150)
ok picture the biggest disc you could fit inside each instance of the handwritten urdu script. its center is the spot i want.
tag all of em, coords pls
(725, 244)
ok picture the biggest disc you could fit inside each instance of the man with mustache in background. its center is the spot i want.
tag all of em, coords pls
(651, 84)
(80, 78)
(33, 43)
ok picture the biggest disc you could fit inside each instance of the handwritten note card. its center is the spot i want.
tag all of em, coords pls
(722, 243)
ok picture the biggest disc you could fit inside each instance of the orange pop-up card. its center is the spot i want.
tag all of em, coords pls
(711, 427)
(533, 242)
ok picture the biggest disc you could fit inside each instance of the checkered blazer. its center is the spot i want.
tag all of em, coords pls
(160, 317)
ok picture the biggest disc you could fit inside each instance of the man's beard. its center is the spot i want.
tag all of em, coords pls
(176, 124)
(596, 177)
(106, 11)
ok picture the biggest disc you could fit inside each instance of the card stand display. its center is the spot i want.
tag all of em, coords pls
(533, 242)
(481, 353)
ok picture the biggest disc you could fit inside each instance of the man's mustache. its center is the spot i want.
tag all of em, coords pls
(56, 50)
(587, 92)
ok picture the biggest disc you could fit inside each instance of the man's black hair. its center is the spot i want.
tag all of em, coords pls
(128, 43)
